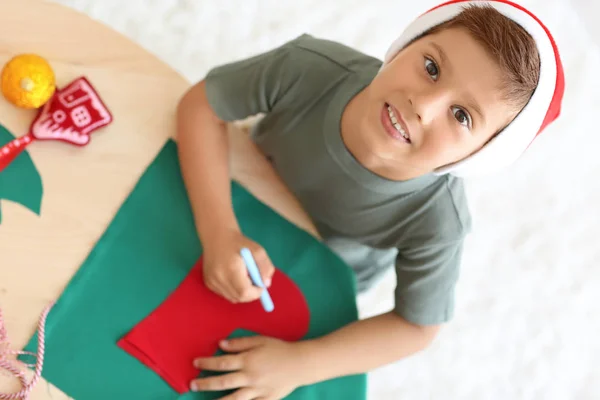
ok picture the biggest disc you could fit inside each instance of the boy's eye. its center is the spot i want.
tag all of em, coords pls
(431, 68)
(462, 116)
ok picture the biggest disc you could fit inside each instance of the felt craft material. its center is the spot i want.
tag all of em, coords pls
(72, 115)
(20, 182)
(145, 254)
(192, 321)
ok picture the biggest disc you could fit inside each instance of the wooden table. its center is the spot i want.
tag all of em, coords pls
(84, 187)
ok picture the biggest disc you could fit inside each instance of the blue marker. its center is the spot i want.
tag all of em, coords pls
(265, 298)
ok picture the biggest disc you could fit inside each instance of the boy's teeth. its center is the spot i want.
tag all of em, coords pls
(396, 124)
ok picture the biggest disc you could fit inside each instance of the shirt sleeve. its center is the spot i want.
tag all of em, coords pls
(253, 85)
(426, 280)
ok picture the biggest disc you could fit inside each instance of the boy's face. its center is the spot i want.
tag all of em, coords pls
(443, 91)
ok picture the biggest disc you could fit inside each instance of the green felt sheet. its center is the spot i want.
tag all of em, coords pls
(147, 250)
(20, 181)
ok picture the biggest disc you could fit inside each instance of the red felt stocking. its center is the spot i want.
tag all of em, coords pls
(193, 319)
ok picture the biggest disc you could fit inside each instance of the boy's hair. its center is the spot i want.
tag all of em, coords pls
(511, 47)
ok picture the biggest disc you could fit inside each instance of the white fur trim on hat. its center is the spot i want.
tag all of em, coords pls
(543, 106)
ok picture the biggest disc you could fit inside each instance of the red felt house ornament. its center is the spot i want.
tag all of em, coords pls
(70, 116)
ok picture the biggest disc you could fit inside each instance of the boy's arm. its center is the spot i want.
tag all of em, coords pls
(424, 300)
(363, 346)
(273, 368)
(269, 368)
(203, 149)
(424, 297)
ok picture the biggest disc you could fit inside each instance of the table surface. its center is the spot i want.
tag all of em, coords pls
(84, 187)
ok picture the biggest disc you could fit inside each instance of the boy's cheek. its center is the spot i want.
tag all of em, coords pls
(440, 152)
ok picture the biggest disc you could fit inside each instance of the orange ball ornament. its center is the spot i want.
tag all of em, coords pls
(28, 81)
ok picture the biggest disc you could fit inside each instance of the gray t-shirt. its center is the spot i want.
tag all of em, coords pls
(373, 223)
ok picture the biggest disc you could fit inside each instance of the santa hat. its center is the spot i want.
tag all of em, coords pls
(542, 108)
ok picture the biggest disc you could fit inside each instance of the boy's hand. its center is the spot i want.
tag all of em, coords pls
(225, 272)
(263, 368)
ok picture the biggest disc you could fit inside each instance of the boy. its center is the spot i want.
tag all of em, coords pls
(375, 153)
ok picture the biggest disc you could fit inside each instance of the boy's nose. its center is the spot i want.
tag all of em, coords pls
(430, 105)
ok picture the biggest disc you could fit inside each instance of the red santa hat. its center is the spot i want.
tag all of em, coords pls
(543, 107)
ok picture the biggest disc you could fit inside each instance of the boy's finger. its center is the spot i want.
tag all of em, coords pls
(265, 266)
(232, 380)
(241, 344)
(250, 294)
(225, 289)
(220, 363)
(266, 271)
(244, 290)
(267, 279)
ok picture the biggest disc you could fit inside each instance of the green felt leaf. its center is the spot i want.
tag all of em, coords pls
(20, 181)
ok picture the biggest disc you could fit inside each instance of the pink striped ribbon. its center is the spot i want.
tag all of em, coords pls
(12, 366)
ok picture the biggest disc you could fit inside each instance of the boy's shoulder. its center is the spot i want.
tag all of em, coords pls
(289, 76)
(457, 194)
(348, 58)
(452, 210)
(440, 217)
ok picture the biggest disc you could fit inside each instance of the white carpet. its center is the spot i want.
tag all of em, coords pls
(527, 323)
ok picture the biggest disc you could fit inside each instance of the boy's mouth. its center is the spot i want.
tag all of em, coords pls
(394, 124)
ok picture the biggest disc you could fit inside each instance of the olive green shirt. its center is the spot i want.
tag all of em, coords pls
(373, 223)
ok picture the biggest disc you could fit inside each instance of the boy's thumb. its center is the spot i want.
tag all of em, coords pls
(267, 282)
(265, 266)
(266, 271)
